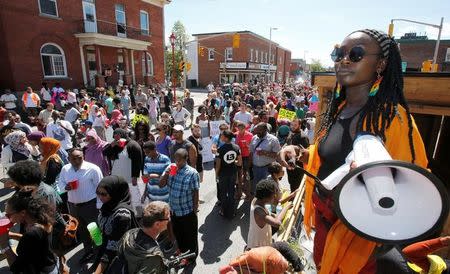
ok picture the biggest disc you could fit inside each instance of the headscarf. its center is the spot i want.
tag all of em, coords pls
(94, 152)
(116, 115)
(383, 40)
(13, 140)
(118, 190)
(36, 136)
(50, 148)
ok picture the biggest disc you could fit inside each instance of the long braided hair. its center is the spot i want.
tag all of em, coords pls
(380, 109)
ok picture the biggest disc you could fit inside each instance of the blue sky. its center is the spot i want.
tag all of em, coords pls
(314, 26)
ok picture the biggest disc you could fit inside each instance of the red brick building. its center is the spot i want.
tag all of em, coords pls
(416, 49)
(297, 68)
(248, 62)
(81, 43)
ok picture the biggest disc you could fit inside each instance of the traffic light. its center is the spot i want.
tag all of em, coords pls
(236, 40)
(201, 51)
(391, 30)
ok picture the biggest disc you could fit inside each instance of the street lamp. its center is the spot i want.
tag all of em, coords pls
(270, 53)
(172, 39)
(391, 31)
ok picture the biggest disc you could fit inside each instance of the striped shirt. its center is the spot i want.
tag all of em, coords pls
(156, 166)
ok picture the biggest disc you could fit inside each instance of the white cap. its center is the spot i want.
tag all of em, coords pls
(178, 128)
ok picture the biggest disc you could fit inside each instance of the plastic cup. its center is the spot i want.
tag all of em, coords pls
(173, 170)
(96, 234)
(122, 143)
(73, 184)
(145, 179)
(5, 225)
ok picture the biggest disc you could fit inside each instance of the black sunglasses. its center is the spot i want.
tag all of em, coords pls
(355, 54)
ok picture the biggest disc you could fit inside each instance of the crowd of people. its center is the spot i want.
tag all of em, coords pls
(120, 161)
(107, 156)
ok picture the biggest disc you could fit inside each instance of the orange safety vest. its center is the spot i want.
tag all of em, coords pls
(346, 252)
(34, 98)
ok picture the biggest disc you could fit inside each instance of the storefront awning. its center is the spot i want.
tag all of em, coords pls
(111, 41)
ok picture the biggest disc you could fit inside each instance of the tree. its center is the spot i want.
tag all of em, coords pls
(316, 66)
(181, 39)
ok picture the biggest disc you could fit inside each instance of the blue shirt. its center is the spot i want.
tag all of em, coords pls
(216, 140)
(156, 166)
(125, 101)
(181, 188)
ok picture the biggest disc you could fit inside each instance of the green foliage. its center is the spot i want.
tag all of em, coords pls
(138, 118)
(180, 43)
(316, 66)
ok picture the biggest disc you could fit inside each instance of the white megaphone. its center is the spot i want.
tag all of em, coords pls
(384, 200)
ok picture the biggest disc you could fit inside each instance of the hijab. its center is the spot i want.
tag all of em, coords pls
(50, 148)
(118, 190)
(94, 152)
(116, 115)
(36, 136)
(13, 140)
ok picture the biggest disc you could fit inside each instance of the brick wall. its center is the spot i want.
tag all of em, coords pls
(208, 70)
(415, 52)
(23, 32)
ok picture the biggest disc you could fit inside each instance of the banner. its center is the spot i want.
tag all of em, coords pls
(204, 127)
(214, 127)
(286, 114)
(206, 151)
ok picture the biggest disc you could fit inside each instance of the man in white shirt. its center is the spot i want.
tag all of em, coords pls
(46, 114)
(61, 130)
(45, 93)
(9, 100)
(243, 116)
(80, 179)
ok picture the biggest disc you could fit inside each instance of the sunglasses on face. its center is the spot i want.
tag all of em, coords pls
(355, 54)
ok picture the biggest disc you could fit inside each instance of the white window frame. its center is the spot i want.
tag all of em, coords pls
(266, 57)
(147, 62)
(117, 22)
(148, 22)
(211, 54)
(447, 55)
(251, 55)
(257, 56)
(51, 56)
(262, 57)
(46, 14)
(229, 54)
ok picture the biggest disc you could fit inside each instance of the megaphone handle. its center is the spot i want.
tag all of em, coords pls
(309, 174)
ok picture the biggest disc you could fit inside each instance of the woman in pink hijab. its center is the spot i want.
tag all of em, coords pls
(93, 151)
(116, 115)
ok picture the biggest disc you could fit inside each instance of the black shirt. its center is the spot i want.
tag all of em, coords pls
(33, 252)
(228, 154)
(336, 147)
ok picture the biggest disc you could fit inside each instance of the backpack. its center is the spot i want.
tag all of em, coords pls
(118, 265)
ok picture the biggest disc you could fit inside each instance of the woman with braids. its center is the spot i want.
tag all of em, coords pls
(368, 98)
(33, 253)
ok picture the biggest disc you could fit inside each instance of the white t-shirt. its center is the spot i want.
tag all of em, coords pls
(45, 93)
(99, 121)
(71, 97)
(71, 115)
(10, 99)
(245, 117)
(60, 134)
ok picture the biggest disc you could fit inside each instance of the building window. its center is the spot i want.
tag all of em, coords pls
(262, 57)
(145, 28)
(281, 60)
(229, 53)
(256, 56)
(48, 7)
(147, 64)
(266, 58)
(251, 55)
(210, 54)
(121, 20)
(447, 55)
(53, 61)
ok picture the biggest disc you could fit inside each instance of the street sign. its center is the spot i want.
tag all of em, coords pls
(188, 66)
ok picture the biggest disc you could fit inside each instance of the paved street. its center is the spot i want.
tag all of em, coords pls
(220, 240)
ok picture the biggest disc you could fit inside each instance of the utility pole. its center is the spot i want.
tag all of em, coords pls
(270, 54)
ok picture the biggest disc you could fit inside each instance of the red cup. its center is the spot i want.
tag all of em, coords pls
(122, 143)
(73, 184)
(145, 179)
(173, 170)
(5, 225)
